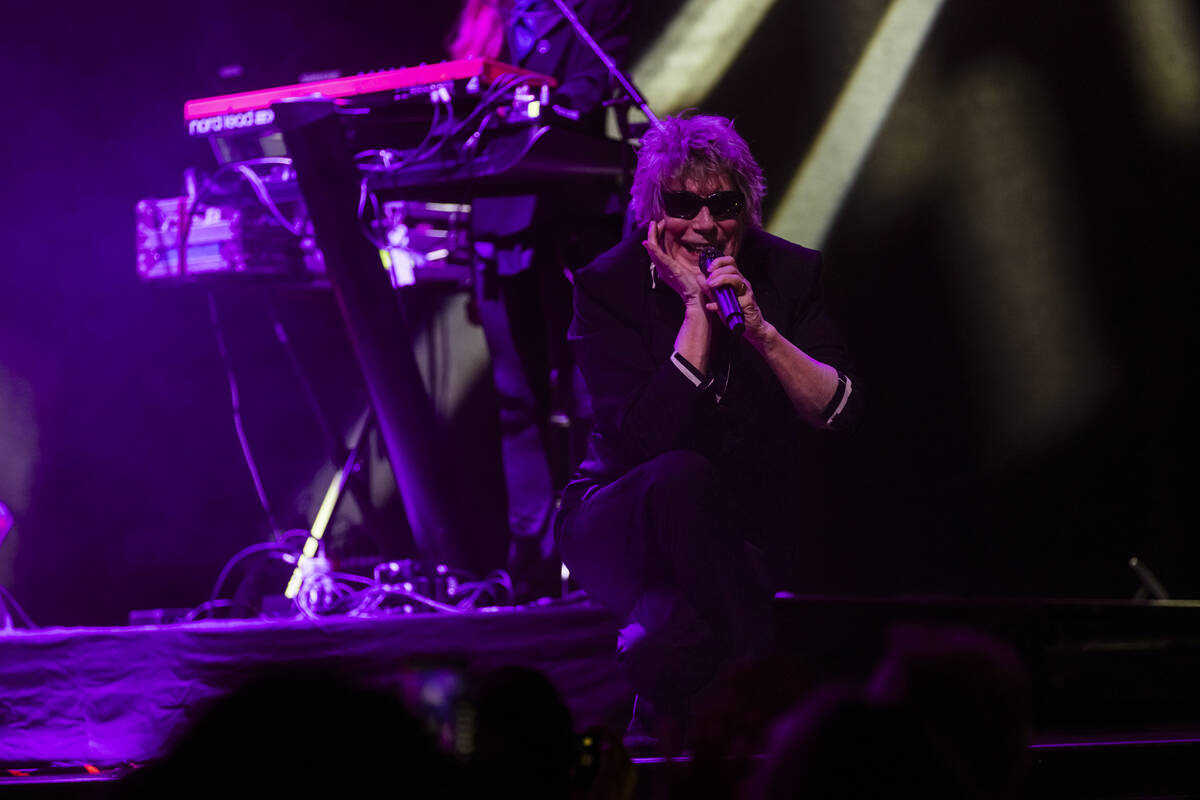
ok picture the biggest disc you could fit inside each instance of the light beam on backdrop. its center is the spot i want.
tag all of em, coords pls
(1161, 44)
(1019, 241)
(703, 38)
(1035, 340)
(817, 191)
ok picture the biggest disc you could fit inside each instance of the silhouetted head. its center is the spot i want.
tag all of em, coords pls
(840, 744)
(524, 739)
(297, 731)
(972, 693)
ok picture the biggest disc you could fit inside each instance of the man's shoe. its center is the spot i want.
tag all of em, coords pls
(639, 739)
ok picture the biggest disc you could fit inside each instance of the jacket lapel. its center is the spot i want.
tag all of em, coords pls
(756, 266)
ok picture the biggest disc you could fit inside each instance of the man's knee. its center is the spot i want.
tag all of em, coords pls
(683, 475)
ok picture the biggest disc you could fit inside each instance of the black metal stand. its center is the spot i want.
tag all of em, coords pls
(606, 59)
(446, 524)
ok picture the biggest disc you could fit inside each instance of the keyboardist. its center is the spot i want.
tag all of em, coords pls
(523, 245)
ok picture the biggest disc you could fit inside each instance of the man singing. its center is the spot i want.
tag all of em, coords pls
(698, 430)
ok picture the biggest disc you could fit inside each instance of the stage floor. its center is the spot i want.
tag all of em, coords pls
(1113, 682)
(110, 696)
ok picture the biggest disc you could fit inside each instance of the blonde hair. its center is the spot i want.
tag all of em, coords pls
(698, 148)
(479, 32)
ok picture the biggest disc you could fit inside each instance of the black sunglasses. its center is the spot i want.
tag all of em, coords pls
(686, 205)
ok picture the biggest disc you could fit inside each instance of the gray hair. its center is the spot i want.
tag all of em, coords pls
(695, 148)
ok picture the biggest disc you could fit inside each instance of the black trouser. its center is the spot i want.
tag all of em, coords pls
(523, 298)
(660, 547)
(513, 317)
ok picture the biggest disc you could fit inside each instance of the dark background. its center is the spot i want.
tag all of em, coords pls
(1008, 268)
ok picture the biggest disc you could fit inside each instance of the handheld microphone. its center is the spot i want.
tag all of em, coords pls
(727, 302)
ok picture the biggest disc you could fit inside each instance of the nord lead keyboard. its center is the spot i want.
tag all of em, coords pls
(244, 111)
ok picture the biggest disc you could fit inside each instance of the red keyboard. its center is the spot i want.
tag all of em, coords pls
(230, 112)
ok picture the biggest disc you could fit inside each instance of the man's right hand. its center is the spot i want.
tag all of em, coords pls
(695, 334)
(686, 279)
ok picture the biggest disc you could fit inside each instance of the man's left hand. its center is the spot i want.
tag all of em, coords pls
(724, 272)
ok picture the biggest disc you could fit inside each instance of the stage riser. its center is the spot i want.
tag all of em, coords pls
(1158, 771)
(1096, 667)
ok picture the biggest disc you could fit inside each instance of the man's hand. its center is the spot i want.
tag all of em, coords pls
(809, 383)
(686, 279)
(724, 271)
(695, 334)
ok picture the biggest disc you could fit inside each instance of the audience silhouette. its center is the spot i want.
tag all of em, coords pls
(299, 731)
(945, 714)
(974, 697)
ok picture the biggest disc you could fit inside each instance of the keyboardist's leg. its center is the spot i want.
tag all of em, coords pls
(525, 247)
(513, 324)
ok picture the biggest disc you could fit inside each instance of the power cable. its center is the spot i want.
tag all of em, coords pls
(235, 399)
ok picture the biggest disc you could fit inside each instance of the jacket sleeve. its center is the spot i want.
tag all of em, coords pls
(585, 79)
(643, 404)
(811, 329)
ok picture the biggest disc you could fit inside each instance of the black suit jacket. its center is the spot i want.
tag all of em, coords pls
(623, 333)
